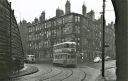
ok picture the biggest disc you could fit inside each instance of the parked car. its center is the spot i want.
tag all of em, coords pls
(30, 59)
(107, 58)
(97, 59)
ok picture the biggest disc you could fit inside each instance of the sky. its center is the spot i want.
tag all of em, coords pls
(29, 9)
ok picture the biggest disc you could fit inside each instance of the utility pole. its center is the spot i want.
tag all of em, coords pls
(103, 42)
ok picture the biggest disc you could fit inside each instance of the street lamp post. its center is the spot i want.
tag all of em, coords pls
(103, 42)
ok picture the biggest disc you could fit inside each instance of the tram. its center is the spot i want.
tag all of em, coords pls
(65, 54)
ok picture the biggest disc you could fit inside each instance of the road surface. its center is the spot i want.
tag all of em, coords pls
(48, 72)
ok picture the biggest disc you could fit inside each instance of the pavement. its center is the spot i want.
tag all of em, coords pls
(110, 70)
(110, 74)
(28, 69)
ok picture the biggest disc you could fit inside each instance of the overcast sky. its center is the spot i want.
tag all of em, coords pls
(29, 9)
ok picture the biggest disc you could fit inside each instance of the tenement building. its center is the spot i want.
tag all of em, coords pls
(24, 33)
(83, 29)
(110, 40)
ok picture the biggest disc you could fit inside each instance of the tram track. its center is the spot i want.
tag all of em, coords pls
(66, 73)
(56, 74)
(67, 76)
(77, 75)
(50, 75)
(26, 78)
(84, 77)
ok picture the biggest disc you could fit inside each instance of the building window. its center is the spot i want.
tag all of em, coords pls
(33, 29)
(47, 35)
(37, 28)
(100, 44)
(29, 30)
(54, 23)
(78, 43)
(63, 20)
(35, 46)
(30, 44)
(47, 44)
(33, 37)
(39, 45)
(77, 29)
(45, 25)
(42, 34)
(36, 36)
(48, 24)
(39, 55)
(29, 37)
(59, 31)
(77, 18)
(42, 26)
(54, 32)
(78, 38)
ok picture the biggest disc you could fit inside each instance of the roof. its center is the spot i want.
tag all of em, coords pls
(65, 43)
(30, 55)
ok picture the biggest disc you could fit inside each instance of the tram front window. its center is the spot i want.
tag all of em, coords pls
(72, 56)
(72, 46)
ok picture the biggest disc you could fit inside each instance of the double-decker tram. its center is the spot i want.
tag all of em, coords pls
(65, 54)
